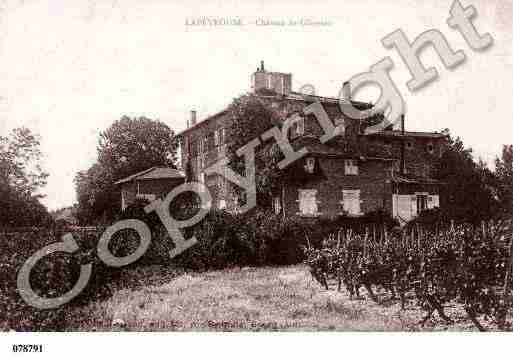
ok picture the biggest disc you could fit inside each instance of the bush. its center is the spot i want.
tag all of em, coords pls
(52, 276)
(126, 242)
(57, 273)
(260, 237)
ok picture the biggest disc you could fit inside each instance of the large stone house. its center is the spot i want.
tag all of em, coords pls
(352, 174)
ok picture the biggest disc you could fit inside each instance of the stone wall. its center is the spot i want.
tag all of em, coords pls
(372, 181)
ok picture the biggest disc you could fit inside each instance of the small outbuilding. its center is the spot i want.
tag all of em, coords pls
(150, 184)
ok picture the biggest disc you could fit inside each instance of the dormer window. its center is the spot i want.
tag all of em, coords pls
(310, 165)
(430, 148)
(409, 145)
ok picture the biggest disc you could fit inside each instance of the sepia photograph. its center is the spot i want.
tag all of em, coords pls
(320, 169)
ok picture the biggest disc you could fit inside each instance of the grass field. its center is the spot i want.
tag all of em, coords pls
(281, 298)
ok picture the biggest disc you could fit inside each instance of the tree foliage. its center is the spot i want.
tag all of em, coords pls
(504, 172)
(251, 118)
(131, 145)
(128, 146)
(468, 193)
(21, 178)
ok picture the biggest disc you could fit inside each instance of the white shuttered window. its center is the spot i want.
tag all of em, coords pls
(308, 202)
(351, 201)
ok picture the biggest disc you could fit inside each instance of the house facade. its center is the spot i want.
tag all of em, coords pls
(352, 174)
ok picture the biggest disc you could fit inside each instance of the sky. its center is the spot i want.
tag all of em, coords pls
(69, 69)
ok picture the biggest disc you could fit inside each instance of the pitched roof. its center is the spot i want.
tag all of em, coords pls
(323, 99)
(154, 173)
(410, 179)
(399, 133)
(292, 96)
(315, 147)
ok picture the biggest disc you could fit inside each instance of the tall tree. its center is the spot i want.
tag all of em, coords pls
(504, 172)
(468, 193)
(21, 179)
(128, 146)
(20, 161)
(131, 145)
(251, 118)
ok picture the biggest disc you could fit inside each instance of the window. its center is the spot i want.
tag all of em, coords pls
(193, 148)
(216, 137)
(277, 204)
(222, 204)
(433, 201)
(396, 167)
(140, 194)
(219, 137)
(308, 202)
(404, 207)
(430, 148)
(351, 201)
(205, 143)
(422, 202)
(409, 145)
(351, 167)
(300, 126)
(296, 126)
(269, 82)
(310, 164)
(186, 144)
(149, 197)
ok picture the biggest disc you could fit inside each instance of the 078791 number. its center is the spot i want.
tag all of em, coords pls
(27, 348)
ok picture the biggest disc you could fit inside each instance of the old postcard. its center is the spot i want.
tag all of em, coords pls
(258, 166)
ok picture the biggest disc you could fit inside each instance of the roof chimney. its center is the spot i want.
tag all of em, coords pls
(278, 82)
(193, 117)
(346, 91)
